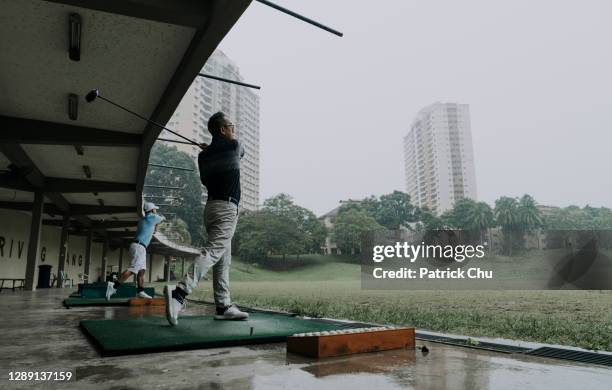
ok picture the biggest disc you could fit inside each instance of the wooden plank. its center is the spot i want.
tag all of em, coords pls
(147, 302)
(351, 341)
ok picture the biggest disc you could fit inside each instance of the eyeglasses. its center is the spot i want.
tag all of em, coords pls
(229, 125)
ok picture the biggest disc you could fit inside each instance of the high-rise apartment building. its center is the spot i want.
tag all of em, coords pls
(204, 98)
(439, 157)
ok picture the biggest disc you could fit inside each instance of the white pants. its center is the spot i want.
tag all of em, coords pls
(139, 258)
(220, 219)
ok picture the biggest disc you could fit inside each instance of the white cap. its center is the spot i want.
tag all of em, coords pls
(149, 206)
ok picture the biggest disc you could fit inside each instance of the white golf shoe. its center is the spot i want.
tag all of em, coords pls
(110, 290)
(173, 306)
(144, 295)
(232, 313)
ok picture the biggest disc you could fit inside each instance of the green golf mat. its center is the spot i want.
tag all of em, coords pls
(124, 291)
(80, 301)
(154, 334)
(94, 284)
(100, 284)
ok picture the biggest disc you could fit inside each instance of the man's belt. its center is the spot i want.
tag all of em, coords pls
(225, 198)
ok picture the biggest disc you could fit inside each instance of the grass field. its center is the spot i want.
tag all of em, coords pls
(333, 289)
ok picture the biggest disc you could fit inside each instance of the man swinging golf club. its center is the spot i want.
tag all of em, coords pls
(219, 165)
(138, 251)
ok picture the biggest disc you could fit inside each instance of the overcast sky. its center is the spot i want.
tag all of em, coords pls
(536, 74)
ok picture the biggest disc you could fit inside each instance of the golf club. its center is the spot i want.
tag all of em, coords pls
(95, 93)
(300, 17)
(209, 76)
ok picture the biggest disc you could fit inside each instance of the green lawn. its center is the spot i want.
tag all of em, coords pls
(333, 289)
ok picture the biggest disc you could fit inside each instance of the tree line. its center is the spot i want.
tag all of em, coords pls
(515, 217)
(281, 228)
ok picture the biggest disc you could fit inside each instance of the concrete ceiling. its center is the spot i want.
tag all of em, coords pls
(108, 164)
(142, 54)
(129, 59)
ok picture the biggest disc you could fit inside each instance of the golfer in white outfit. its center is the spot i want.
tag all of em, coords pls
(138, 251)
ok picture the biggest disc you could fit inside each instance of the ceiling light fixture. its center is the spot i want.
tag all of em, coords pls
(73, 106)
(74, 37)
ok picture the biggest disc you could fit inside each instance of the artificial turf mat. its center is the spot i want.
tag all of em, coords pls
(131, 301)
(101, 284)
(154, 334)
(124, 291)
(94, 284)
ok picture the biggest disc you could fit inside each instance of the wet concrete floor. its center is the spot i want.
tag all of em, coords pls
(38, 334)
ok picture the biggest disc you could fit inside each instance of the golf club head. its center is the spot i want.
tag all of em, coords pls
(92, 95)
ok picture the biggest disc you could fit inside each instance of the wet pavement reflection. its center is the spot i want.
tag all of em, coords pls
(37, 333)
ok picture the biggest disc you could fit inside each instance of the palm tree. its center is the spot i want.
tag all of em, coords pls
(529, 216)
(506, 215)
(481, 218)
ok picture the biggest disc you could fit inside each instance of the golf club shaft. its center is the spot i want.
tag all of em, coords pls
(300, 17)
(209, 76)
(174, 141)
(147, 120)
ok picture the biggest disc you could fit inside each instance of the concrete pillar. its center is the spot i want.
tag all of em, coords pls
(104, 258)
(63, 250)
(121, 258)
(167, 268)
(34, 243)
(86, 268)
(150, 267)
